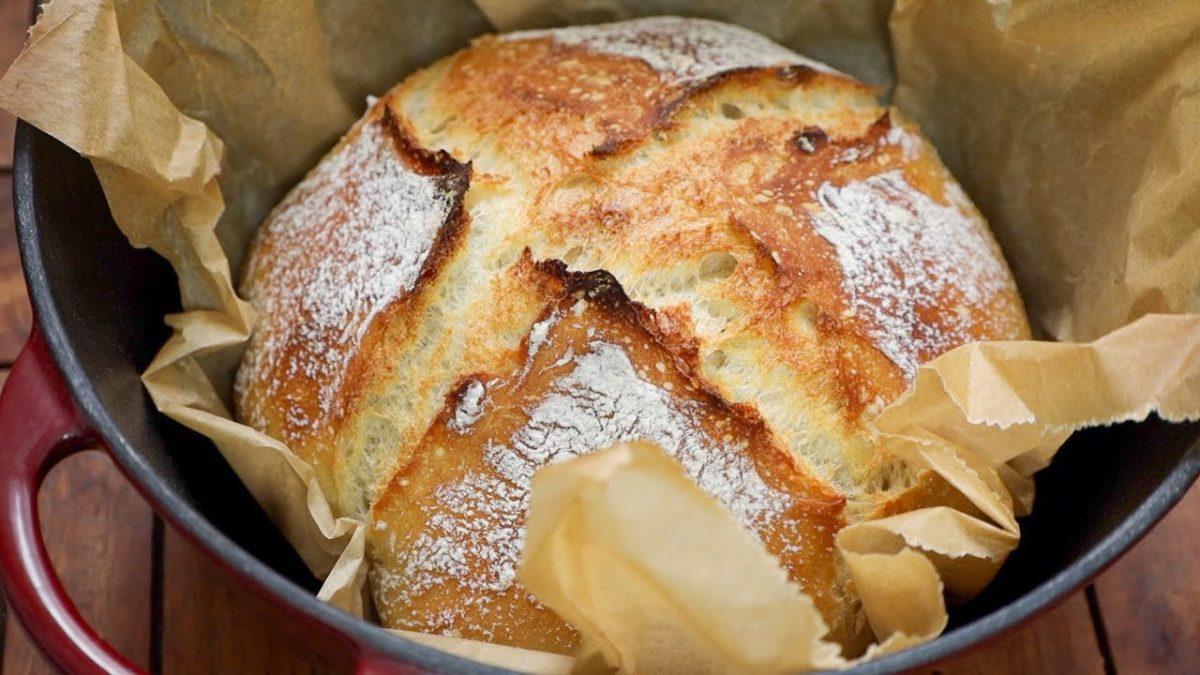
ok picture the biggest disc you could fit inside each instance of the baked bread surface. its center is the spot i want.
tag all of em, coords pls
(554, 241)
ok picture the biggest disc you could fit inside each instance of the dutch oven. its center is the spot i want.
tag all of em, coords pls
(99, 306)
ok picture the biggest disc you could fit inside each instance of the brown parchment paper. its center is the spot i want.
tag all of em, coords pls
(850, 35)
(1077, 141)
(1073, 125)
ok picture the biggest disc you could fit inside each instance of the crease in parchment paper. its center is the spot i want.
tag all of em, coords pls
(1077, 144)
(588, 553)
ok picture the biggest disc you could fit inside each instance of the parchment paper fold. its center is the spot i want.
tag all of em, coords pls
(660, 579)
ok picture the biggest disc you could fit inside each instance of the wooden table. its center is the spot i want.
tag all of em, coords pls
(167, 608)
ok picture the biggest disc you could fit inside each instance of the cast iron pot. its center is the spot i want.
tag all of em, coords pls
(99, 305)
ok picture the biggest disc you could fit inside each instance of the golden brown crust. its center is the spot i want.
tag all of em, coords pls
(444, 507)
(790, 250)
(302, 368)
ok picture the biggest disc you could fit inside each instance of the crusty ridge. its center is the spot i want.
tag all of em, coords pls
(358, 234)
(593, 371)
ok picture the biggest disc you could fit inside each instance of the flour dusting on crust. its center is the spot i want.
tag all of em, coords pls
(469, 408)
(682, 51)
(901, 253)
(600, 402)
(350, 239)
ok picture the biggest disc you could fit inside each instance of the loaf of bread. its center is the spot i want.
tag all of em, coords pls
(554, 241)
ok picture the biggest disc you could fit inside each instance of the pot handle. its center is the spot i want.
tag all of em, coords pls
(39, 425)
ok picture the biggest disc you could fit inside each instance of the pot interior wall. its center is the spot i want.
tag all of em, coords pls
(111, 299)
(1093, 485)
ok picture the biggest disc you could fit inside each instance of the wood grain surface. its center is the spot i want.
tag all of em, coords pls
(1149, 601)
(169, 609)
(212, 625)
(15, 18)
(15, 314)
(1061, 641)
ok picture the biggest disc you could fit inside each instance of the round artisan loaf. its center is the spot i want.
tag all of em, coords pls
(554, 241)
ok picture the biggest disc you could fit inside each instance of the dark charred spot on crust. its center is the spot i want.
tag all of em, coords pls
(670, 332)
(810, 139)
(552, 268)
(460, 389)
(612, 145)
(597, 286)
(419, 159)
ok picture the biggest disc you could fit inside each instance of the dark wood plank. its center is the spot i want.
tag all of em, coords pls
(1060, 642)
(15, 315)
(97, 531)
(1150, 599)
(213, 625)
(14, 21)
